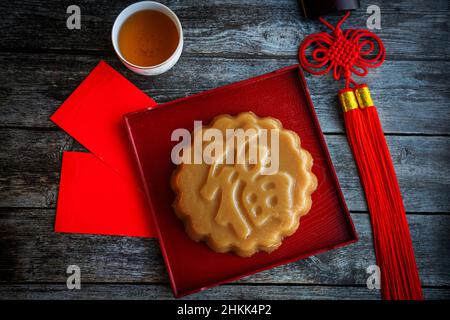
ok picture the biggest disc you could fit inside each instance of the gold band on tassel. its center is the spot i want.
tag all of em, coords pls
(347, 100)
(364, 98)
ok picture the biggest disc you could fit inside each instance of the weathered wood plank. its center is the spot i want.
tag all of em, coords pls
(162, 292)
(32, 252)
(421, 164)
(412, 96)
(29, 190)
(410, 29)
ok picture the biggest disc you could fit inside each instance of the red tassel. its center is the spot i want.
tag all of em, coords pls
(392, 241)
(400, 277)
(344, 54)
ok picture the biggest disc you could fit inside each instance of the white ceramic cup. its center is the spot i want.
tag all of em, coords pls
(124, 15)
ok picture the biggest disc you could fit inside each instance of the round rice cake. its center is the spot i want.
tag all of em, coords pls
(237, 206)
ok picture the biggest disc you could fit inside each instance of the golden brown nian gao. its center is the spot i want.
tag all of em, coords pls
(236, 208)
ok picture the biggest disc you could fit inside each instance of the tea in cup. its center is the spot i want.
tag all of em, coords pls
(148, 38)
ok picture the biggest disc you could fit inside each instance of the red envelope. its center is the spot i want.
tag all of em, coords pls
(93, 116)
(94, 199)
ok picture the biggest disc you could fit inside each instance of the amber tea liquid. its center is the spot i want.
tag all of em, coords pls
(148, 38)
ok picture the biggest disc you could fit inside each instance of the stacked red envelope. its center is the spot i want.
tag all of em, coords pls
(100, 190)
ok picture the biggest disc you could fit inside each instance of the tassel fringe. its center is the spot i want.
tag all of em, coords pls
(392, 241)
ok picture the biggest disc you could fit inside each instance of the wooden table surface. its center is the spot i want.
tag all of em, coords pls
(42, 62)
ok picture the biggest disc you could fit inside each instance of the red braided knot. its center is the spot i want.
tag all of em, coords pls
(346, 53)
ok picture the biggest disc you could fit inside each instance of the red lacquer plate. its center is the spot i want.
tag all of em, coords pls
(282, 94)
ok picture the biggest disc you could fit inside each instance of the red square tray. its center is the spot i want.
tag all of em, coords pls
(282, 94)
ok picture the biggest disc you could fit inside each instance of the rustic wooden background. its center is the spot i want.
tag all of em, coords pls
(225, 41)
